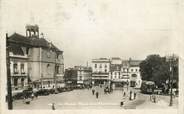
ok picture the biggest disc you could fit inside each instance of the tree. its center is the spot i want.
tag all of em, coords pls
(156, 68)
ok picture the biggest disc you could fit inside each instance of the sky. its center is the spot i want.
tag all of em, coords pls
(87, 29)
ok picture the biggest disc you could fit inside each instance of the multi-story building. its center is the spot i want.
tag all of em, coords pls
(45, 66)
(134, 73)
(100, 71)
(119, 72)
(79, 75)
(70, 76)
(84, 75)
(18, 66)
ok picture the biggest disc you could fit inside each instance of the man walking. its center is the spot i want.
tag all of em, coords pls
(97, 94)
(93, 91)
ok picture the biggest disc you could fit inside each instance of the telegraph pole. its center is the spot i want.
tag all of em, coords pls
(171, 75)
(9, 89)
(171, 80)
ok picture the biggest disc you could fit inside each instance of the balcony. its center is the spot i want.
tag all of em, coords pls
(100, 73)
(19, 74)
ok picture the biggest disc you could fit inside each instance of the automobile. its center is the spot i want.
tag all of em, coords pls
(42, 92)
(148, 87)
(79, 87)
(51, 91)
(18, 96)
(27, 92)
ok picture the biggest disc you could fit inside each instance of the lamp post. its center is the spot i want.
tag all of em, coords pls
(171, 59)
(9, 89)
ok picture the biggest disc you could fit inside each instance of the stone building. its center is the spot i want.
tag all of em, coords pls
(134, 73)
(118, 72)
(84, 75)
(18, 66)
(100, 71)
(45, 63)
(79, 75)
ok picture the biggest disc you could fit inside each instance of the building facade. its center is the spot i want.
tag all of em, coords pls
(134, 73)
(100, 71)
(84, 75)
(118, 72)
(79, 75)
(44, 61)
(18, 66)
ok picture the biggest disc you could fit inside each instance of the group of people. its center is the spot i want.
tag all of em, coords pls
(28, 97)
(95, 93)
(132, 94)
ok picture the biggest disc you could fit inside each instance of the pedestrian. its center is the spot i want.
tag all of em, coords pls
(104, 90)
(36, 95)
(154, 98)
(32, 96)
(53, 106)
(150, 97)
(93, 91)
(124, 94)
(97, 94)
(130, 97)
(134, 95)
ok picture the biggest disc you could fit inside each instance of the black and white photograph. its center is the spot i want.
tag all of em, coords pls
(92, 55)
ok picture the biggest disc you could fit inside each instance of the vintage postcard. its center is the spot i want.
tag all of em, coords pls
(89, 56)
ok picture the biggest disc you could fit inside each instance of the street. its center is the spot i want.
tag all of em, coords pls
(83, 99)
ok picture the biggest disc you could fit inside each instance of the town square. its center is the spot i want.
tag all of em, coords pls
(82, 54)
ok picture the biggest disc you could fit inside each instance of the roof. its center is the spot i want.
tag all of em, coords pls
(35, 42)
(101, 60)
(116, 58)
(16, 49)
(116, 67)
(134, 62)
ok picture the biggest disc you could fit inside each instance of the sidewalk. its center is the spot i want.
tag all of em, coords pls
(162, 103)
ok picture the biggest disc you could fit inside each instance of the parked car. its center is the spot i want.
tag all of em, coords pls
(51, 91)
(42, 92)
(18, 96)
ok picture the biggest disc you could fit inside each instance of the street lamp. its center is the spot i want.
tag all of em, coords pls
(9, 88)
(171, 59)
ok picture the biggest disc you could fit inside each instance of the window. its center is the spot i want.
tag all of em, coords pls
(22, 82)
(49, 83)
(15, 81)
(117, 68)
(48, 54)
(105, 66)
(105, 70)
(100, 65)
(22, 69)
(95, 65)
(57, 55)
(48, 65)
(80, 78)
(134, 75)
(15, 70)
(27, 51)
(57, 69)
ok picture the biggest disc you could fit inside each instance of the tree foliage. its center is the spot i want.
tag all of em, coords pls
(156, 68)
